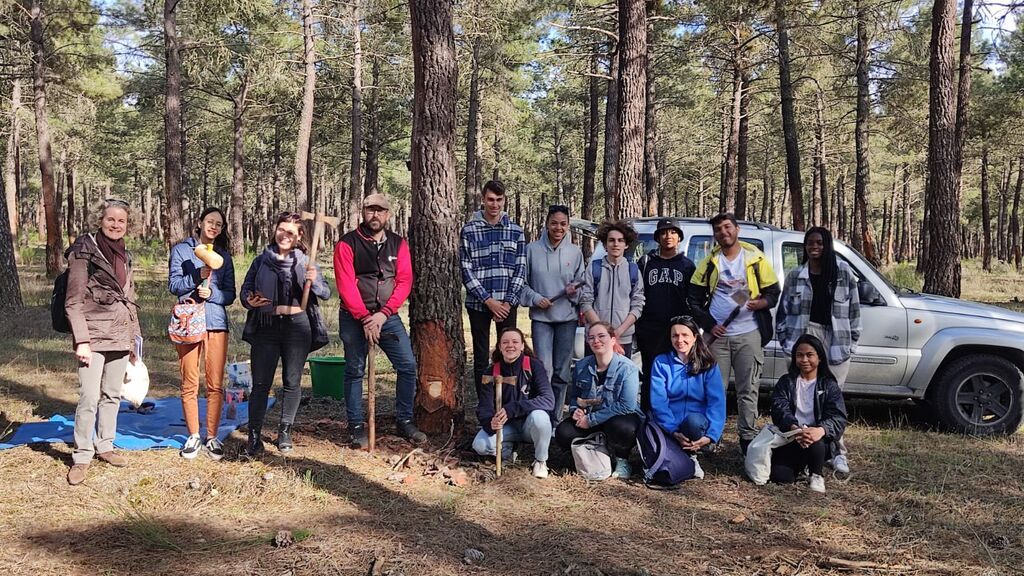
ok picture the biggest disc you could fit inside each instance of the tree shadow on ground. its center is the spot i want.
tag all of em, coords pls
(44, 404)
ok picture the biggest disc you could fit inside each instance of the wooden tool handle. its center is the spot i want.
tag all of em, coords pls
(498, 441)
(371, 400)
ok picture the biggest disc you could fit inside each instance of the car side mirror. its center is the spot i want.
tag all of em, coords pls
(869, 295)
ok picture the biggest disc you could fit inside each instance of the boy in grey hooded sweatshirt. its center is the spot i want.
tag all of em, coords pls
(616, 298)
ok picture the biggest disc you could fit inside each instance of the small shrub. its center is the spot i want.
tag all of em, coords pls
(904, 275)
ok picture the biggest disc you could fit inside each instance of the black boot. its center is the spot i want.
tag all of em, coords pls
(360, 438)
(407, 429)
(284, 438)
(254, 447)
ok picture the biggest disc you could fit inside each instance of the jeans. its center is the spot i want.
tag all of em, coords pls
(535, 427)
(480, 330)
(789, 460)
(99, 399)
(694, 427)
(395, 343)
(287, 339)
(743, 356)
(214, 352)
(620, 432)
(553, 343)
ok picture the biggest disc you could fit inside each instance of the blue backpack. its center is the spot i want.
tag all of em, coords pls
(666, 464)
(595, 269)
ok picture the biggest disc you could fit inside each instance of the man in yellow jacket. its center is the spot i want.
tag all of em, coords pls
(734, 289)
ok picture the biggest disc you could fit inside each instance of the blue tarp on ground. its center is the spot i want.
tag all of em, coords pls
(163, 427)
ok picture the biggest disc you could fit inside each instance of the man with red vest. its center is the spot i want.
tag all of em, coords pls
(373, 270)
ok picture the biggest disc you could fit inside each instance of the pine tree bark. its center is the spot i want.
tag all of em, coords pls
(730, 172)
(69, 215)
(371, 176)
(789, 119)
(743, 145)
(986, 216)
(632, 106)
(611, 136)
(1015, 217)
(942, 269)
(435, 313)
(236, 216)
(473, 160)
(11, 161)
(651, 176)
(906, 231)
(819, 161)
(10, 284)
(355, 179)
(305, 133)
(863, 176)
(592, 131)
(842, 224)
(48, 189)
(173, 218)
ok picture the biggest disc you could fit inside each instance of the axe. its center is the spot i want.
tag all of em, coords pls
(497, 381)
(314, 246)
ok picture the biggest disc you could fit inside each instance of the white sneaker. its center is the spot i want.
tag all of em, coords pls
(540, 469)
(698, 472)
(192, 447)
(841, 465)
(214, 449)
(817, 483)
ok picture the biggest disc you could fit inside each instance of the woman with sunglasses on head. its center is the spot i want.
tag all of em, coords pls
(102, 312)
(821, 298)
(687, 395)
(190, 278)
(606, 386)
(277, 327)
(807, 400)
(525, 405)
(554, 275)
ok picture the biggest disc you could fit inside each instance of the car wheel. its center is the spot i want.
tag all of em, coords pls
(980, 394)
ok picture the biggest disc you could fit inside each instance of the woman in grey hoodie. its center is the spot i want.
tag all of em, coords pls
(554, 275)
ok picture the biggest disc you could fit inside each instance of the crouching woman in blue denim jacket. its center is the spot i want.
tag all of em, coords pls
(606, 387)
(278, 328)
(808, 400)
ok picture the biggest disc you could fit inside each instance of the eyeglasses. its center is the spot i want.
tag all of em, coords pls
(374, 210)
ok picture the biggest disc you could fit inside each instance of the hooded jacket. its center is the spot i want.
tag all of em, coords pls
(614, 298)
(548, 270)
(101, 312)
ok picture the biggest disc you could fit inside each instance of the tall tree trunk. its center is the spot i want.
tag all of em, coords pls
(277, 185)
(942, 271)
(172, 125)
(963, 89)
(632, 106)
(592, 131)
(743, 145)
(986, 216)
(69, 216)
(766, 197)
(863, 177)
(303, 144)
(1015, 216)
(842, 225)
(355, 179)
(11, 163)
(238, 171)
(435, 313)
(473, 159)
(907, 230)
(54, 246)
(889, 221)
(10, 284)
(372, 175)
(728, 202)
(651, 175)
(819, 161)
(789, 119)
(612, 136)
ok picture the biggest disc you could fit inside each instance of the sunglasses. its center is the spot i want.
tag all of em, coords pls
(115, 202)
(682, 320)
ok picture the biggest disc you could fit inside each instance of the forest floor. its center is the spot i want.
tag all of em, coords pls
(919, 501)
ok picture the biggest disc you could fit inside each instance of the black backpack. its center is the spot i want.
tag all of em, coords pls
(58, 313)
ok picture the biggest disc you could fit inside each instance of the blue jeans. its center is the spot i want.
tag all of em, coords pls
(536, 428)
(694, 427)
(395, 343)
(553, 343)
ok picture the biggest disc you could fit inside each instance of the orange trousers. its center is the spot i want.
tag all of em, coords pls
(214, 352)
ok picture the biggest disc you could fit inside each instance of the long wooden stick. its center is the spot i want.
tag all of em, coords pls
(498, 443)
(371, 360)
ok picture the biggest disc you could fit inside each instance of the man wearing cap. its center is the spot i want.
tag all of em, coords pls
(667, 275)
(373, 270)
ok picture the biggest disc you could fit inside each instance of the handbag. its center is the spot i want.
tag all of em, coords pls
(136, 383)
(592, 458)
(758, 462)
(188, 322)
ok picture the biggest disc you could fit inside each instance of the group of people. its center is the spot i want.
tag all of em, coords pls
(694, 325)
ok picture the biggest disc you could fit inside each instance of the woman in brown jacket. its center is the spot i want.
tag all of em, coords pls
(104, 323)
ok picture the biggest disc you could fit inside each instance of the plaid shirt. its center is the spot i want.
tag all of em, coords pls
(794, 312)
(493, 261)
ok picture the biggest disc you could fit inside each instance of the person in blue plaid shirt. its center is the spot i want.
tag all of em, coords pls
(821, 298)
(492, 254)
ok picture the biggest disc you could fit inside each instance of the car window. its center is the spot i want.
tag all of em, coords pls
(700, 246)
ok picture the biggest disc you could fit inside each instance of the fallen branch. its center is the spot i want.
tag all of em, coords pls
(402, 461)
(844, 564)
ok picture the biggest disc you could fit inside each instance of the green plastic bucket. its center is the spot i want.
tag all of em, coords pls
(328, 375)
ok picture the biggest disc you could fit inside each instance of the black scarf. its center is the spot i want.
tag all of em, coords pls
(115, 253)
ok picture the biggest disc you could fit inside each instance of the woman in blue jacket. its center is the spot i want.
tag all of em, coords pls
(687, 396)
(524, 407)
(189, 277)
(278, 328)
(606, 389)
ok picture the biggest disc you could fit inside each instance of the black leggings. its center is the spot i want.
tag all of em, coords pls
(620, 432)
(789, 460)
(286, 339)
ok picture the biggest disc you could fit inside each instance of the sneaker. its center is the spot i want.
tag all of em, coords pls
(817, 483)
(407, 429)
(214, 449)
(841, 465)
(284, 438)
(698, 472)
(192, 447)
(540, 469)
(254, 446)
(360, 438)
(622, 469)
(113, 458)
(76, 475)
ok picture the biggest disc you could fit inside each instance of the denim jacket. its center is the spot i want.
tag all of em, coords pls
(183, 279)
(619, 394)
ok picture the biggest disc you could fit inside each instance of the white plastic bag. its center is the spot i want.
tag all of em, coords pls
(136, 383)
(240, 375)
(758, 463)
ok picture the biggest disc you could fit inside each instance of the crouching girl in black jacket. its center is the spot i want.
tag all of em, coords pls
(807, 399)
